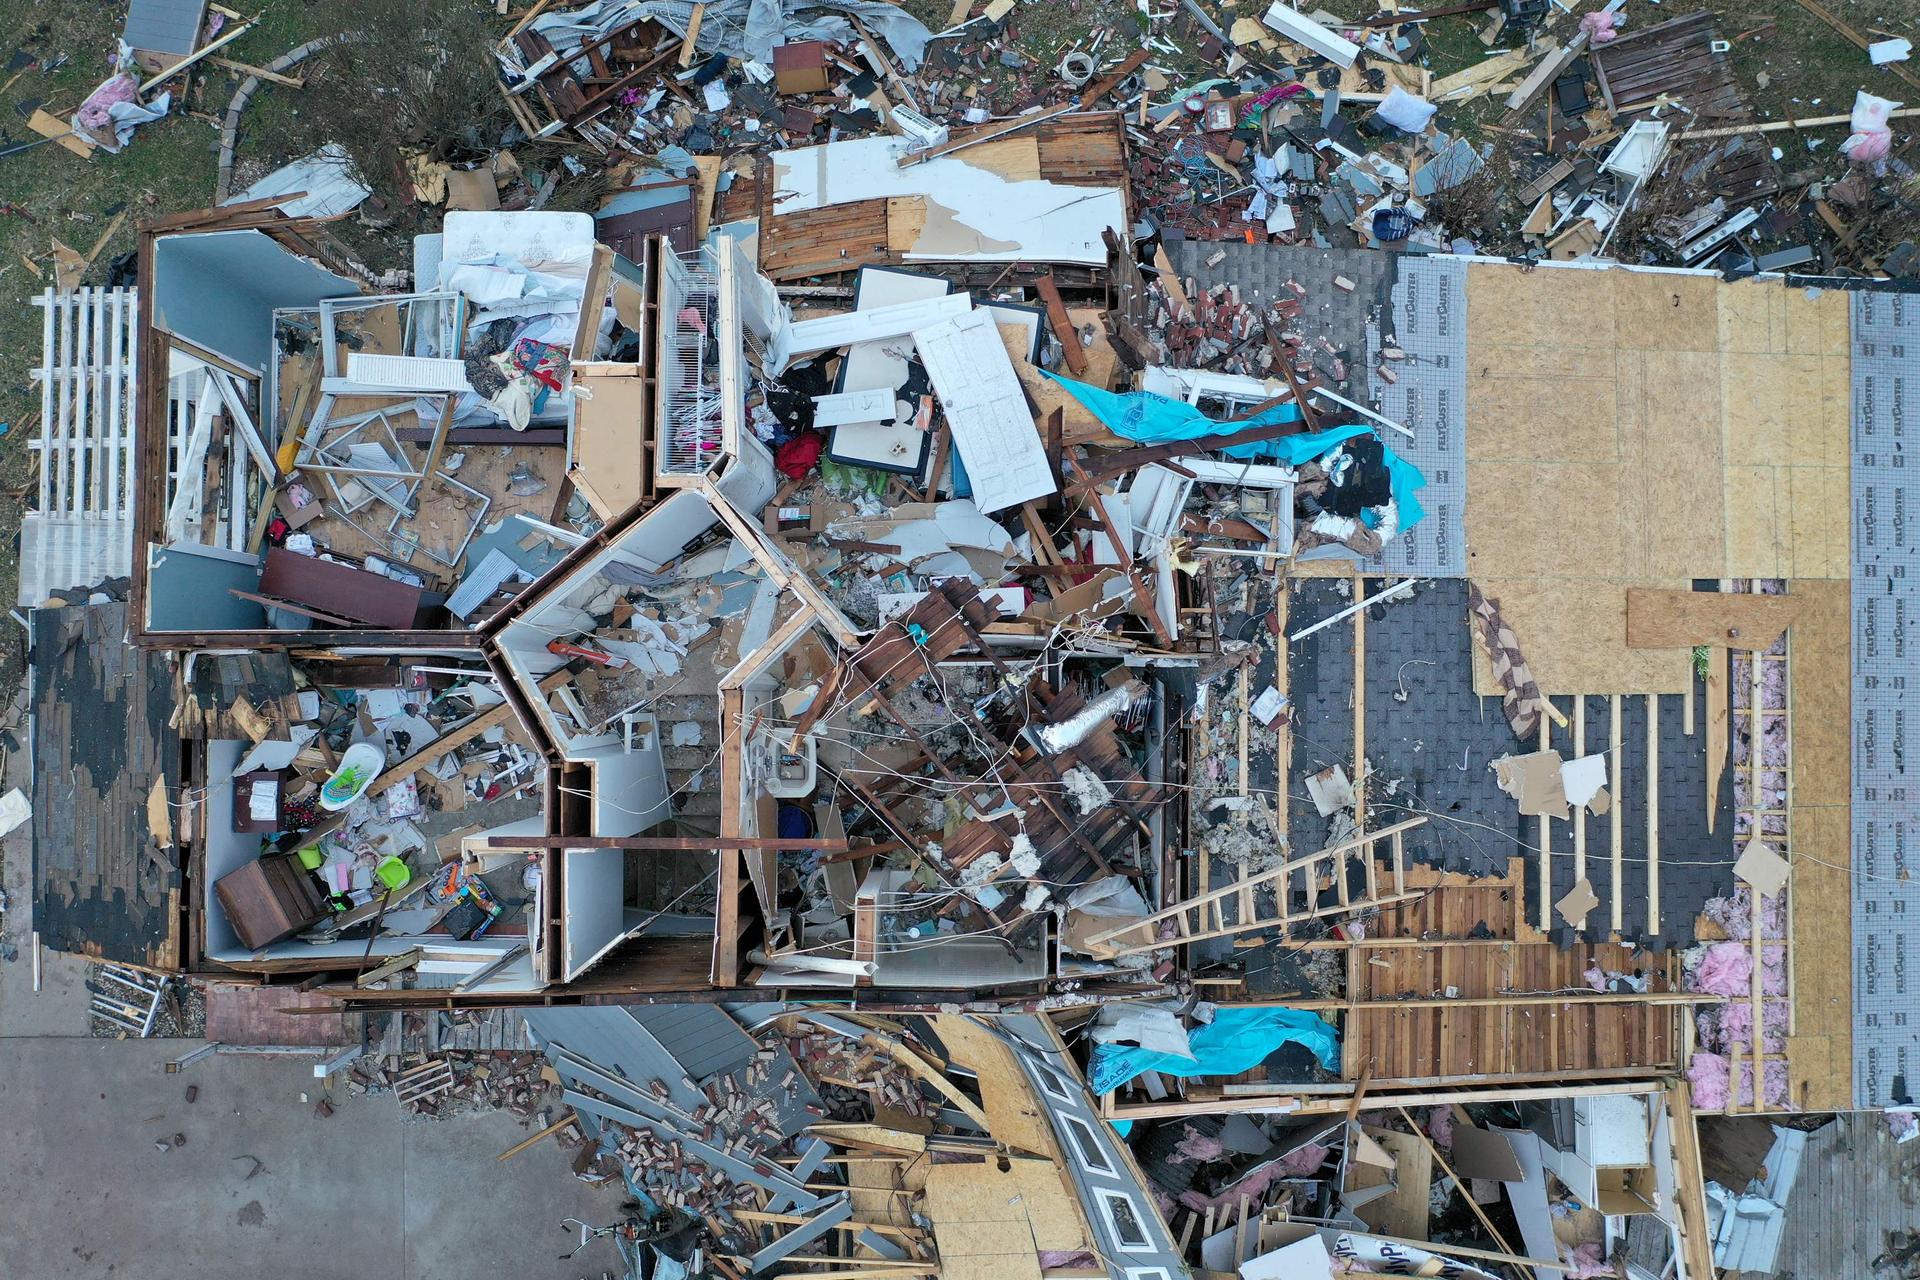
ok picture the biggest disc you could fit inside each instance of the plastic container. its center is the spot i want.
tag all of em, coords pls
(394, 874)
(359, 766)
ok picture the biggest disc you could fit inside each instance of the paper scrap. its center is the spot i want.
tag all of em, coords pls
(14, 810)
(1533, 780)
(1580, 900)
(1331, 791)
(1897, 49)
(1583, 778)
(1762, 868)
(1268, 705)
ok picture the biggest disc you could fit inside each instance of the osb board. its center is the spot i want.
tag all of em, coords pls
(1681, 619)
(1403, 1211)
(1822, 957)
(981, 1213)
(1016, 159)
(1574, 634)
(1077, 424)
(1820, 1052)
(1637, 428)
(1014, 1114)
(874, 1182)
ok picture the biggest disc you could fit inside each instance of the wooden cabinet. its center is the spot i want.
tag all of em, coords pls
(269, 899)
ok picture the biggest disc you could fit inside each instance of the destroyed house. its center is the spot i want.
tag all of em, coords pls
(1304, 629)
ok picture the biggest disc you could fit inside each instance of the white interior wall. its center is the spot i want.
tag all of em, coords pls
(630, 787)
(593, 907)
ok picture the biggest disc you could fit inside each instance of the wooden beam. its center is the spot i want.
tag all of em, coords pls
(247, 68)
(1827, 16)
(1543, 833)
(1718, 712)
(1062, 324)
(1653, 813)
(665, 844)
(1000, 130)
(469, 729)
(534, 1140)
(1579, 810)
(1108, 83)
(204, 51)
(693, 34)
(1618, 854)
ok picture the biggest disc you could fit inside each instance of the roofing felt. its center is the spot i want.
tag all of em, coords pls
(106, 880)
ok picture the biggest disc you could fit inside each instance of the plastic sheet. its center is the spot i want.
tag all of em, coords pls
(1148, 418)
(1237, 1040)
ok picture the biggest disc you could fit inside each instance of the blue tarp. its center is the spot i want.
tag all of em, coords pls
(1238, 1039)
(1155, 419)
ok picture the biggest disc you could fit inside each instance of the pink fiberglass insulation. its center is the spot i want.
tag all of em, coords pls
(1707, 1073)
(1440, 1127)
(1734, 914)
(1587, 1262)
(1197, 1147)
(1729, 1027)
(1253, 1187)
(1595, 978)
(1725, 969)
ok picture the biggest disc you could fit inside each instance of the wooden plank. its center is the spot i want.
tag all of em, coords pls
(48, 126)
(1718, 712)
(693, 34)
(1653, 813)
(1685, 619)
(527, 1142)
(1062, 326)
(1544, 835)
(1614, 751)
(1579, 810)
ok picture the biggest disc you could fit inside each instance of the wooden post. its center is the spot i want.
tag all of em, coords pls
(1545, 837)
(1653, 813)
(1359, 714)
(1579, 810)
(1619, 863)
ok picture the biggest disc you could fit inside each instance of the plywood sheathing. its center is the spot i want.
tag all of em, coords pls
(1645, 429)
(1819, 826)
(1015, 1115)
(991, 1221)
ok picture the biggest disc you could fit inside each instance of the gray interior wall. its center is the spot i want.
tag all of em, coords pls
(188, 589)
(219, 289)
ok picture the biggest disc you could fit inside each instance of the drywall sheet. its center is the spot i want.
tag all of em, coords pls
(1633, 428)
(1886, 601)
(965, 212)
(986, 410)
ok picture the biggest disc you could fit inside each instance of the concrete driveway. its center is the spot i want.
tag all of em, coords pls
(360, 1193)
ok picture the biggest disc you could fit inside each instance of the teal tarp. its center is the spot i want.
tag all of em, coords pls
(1155, 419)
(1238, 1039)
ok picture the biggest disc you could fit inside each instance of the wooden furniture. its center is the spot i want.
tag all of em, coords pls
(342, 590)
(271, 898)
(243, 789)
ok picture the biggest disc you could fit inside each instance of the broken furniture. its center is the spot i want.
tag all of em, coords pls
(259, 801)
(270, 898)
(342, 594)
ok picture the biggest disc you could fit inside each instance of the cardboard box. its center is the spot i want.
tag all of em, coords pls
(800, 68)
